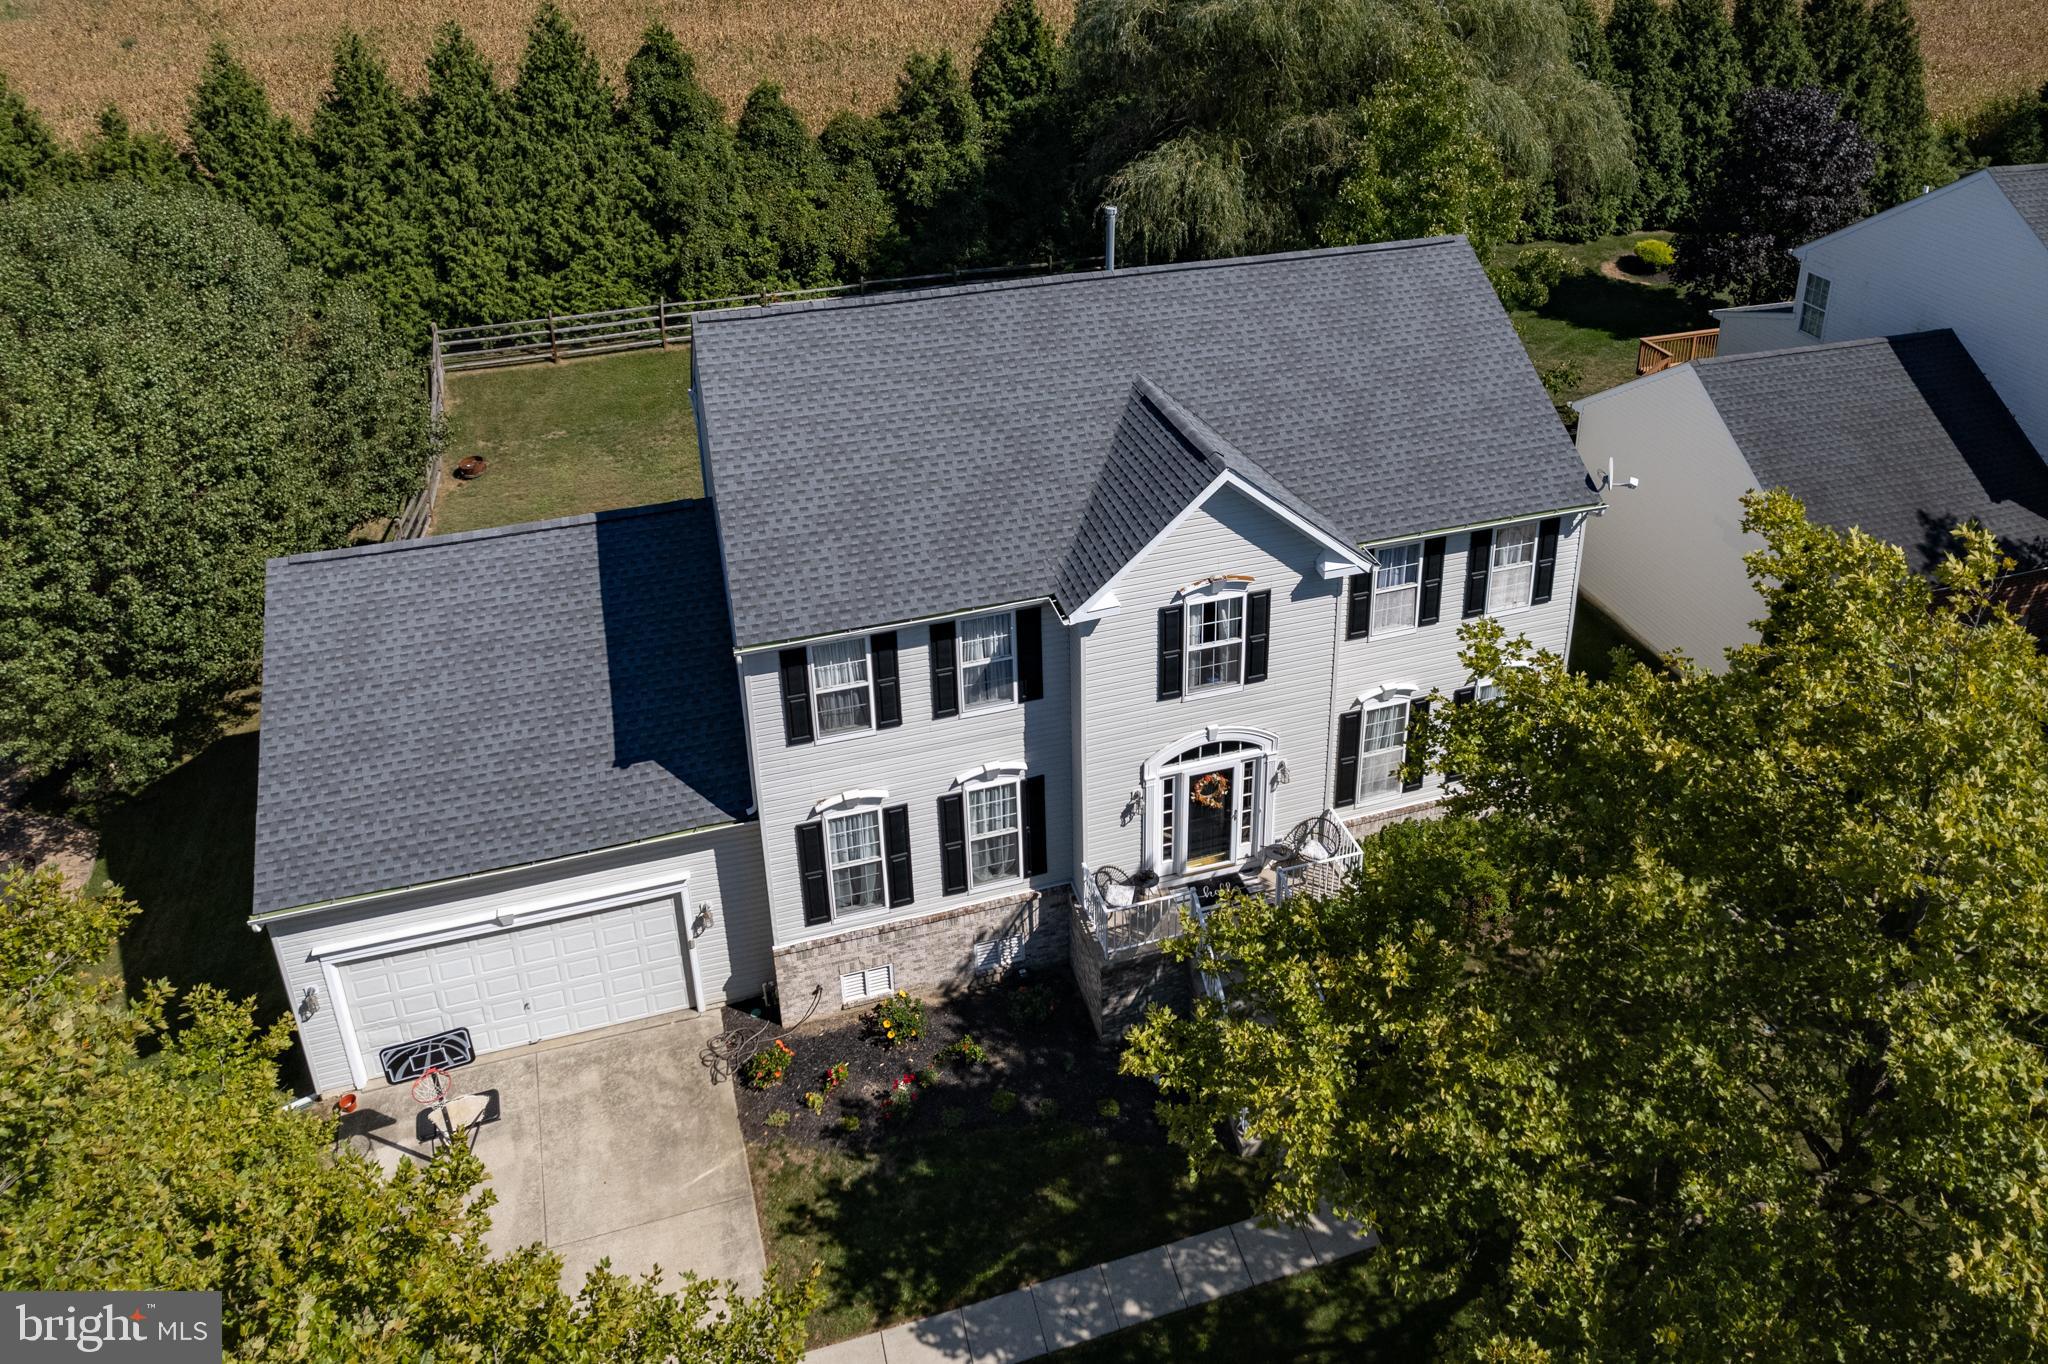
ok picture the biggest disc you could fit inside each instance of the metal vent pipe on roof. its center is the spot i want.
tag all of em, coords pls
(1108, 237)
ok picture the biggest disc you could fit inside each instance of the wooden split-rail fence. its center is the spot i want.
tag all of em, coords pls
(574, 336)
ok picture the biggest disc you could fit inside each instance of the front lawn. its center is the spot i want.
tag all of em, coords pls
(589, 435)
(1036, 1160)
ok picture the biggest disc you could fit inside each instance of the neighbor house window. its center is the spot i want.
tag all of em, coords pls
(841, 684)
(995, 849)
(988, 661)
(1383, 748)
(853, 849)
(1813, 308)
(1216, 642)
(1396, 588)
(1512, 574)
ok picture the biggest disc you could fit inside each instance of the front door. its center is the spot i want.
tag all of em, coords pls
(1209, 814)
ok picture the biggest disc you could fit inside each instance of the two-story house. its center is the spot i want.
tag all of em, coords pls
(1028, 605)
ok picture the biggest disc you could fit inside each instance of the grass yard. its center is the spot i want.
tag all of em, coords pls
(1594, 322)
(590, 435)
(1343, 1312)
(955, 1217)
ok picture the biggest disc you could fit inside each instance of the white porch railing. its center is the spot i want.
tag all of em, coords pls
(1122, 930)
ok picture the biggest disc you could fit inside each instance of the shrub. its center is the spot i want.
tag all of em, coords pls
(850, 1123)
(1109, 1108)
(901, 1098)
(1003, 1101)
(779, 1118)
(1561, 378)
(1524, 282)
(952, 1118)
(965, 1052)
(1657, 254)
(766, 1067)
(927, 1077)
(1033, 1004)
(1045, 1109)
(814, 1101)
(835, 1076)
(899, 1019)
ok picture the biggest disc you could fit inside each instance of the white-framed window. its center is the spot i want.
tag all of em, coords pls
(1486, 691)
(1215, 631)
(988, 660)
(853, 854)
(1511, 577)
(842, 686)
(995, 833)
(1813, 307)
(1383, 747)
(1396, 588)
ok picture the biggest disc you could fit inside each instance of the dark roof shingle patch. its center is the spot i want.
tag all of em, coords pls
(900, 456)
(1900, 436)
(459, 704)
(2026, 189)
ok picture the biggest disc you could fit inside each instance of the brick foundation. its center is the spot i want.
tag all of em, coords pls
(1117, 993)
(932, 955)
(1363, 825)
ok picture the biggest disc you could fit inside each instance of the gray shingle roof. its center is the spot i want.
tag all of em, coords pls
(2026, 187)
(1160, 459)
(904, 455)
(1901, 436)
(457, 704)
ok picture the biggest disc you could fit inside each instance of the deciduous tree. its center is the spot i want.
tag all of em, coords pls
(1793, 171)
(187, 1171)
(1709, 1018)
(181, 405)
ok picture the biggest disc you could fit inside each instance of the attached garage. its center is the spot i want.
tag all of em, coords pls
(513, 986)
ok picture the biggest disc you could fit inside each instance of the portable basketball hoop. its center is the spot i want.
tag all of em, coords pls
(431, 1088)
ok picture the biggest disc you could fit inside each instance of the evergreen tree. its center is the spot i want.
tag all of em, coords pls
(928, 150)
(1710, 78)
(2012, 131)
(703, 239)
(578, 239)
(1588, 40)
(465, 201)
(1774, 44)
(1838, 36)
(117, 152)
(1017, 62)
(366, 144)
(254, 156)
(1907, 157)
(29, 156)
(823, 219)
(1642, 38)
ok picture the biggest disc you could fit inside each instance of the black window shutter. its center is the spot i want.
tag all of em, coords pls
(896, 852)
(1030, 654)
(888, 696)
(810, 866)
(1416, 711)
(1358, 607)
(1478, 557)
(796, 696)
(1258, 621)
(1347, 758)
(1464, 696)
(1034, 826)
(1432, 581)
(1169, 653)
(945, 672)
(1546, 561)
(953, 844)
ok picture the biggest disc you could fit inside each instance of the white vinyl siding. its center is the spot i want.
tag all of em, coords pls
(853, 850)
(995, 849)
(1215, 642)
(1396, 588)
(841, 687)
(1383, 746)
(1813, 307)
(872, 983)
(1511, 579)
(988, 660)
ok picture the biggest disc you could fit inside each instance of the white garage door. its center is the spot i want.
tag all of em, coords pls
(521, 985)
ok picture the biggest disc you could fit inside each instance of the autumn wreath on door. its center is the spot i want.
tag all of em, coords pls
(1211, 790)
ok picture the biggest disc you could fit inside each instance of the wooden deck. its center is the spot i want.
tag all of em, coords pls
(1654, 353)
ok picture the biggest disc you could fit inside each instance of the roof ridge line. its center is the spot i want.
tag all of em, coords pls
(504, 532)
(1852, 343)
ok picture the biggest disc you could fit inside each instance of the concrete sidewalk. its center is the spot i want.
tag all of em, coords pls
(1104, 1298)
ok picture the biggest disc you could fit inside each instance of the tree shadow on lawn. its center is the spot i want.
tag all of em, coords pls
(1622, 310)
(183, 850)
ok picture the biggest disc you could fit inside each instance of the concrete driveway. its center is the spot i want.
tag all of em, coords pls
(614, 1143)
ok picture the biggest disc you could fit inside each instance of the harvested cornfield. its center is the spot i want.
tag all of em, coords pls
(70, 58)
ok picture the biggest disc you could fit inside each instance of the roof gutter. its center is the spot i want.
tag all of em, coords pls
(1592, 506)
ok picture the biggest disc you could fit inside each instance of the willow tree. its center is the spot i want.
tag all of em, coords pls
(1710, 1017)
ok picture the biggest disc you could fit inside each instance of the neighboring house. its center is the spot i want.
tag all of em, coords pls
(1026, 601)
(1901, 437)
(1971, 257)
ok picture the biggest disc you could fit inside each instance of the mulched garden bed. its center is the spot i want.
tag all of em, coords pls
(1041, 1062)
